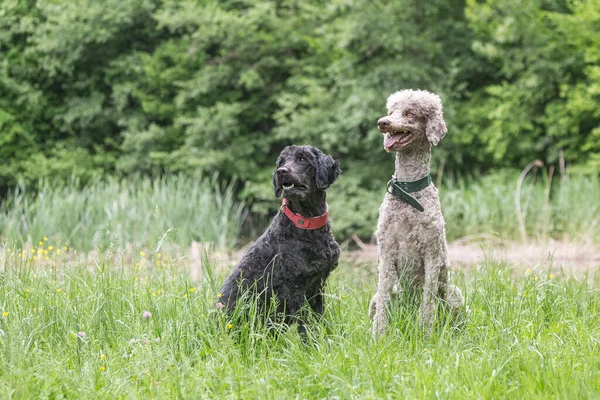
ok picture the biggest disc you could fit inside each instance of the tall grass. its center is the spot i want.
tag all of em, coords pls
(136, 211)
(531, 335)
(570, 209)
(141, 212)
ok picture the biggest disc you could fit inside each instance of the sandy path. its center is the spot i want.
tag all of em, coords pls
(576, 257)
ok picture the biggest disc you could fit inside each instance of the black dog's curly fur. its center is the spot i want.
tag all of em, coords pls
(286, 262)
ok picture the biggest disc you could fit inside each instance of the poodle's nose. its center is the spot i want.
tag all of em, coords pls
(383, 123)
(283, 171)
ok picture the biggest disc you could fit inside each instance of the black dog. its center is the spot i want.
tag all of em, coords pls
(293, 258)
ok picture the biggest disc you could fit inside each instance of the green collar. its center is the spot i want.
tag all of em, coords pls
(402, 189)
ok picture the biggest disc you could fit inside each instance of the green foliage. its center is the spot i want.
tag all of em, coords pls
(578, 116)
(531, 335)
(540, 97)
(121, 86)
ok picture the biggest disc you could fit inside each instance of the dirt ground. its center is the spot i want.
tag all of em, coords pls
(570, 258)
(470, 252)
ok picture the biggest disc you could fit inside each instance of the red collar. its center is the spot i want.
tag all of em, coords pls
(305, 223)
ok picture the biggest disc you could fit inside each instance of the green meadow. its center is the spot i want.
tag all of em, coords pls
(97, 301)
(112, 328)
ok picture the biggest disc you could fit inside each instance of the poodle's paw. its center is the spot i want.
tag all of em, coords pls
(380, 326)
(461, 316)
(426, 321)
(460, 311)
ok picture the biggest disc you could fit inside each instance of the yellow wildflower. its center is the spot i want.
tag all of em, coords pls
(65, 248)
(5, 314)
(102, 368)
(185, 296)
(47, 258)
(220, 295)
(550, 276)
(50, 248)
(58, 290)
(57, 252)
(34, 258)
(159, 291)
(34, 309)
(142, 254)
(192, 289)
(528, 271)
(229, 326)
(158, 255)
(41, 243)
(8, 249)
(102, 356)
(27, 290)
(33, 250)
(45, 239)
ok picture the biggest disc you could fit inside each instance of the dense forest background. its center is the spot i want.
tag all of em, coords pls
(149, 87)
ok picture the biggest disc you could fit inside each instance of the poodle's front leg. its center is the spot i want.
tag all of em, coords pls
(388, 276)
(372, 306)
(433, 265)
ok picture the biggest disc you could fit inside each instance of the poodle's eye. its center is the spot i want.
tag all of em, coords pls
(410, 115)
(301, 159)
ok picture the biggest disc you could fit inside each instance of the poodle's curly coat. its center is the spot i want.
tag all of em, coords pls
(412, 244)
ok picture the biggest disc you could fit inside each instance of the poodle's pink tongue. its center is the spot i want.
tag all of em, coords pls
(391, 140)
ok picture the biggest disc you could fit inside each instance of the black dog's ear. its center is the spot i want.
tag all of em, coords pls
(328, 170)
(277, 188)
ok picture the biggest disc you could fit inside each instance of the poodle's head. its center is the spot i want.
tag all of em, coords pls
(303, 171)
(414, 116)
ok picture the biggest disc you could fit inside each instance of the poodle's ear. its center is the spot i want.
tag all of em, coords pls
(277, 188)
(436, 126)
(328, 170)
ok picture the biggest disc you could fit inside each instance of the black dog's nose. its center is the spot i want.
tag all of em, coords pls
(283, 171)
(383, 123)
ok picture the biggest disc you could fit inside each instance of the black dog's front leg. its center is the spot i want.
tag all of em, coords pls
(317, 302)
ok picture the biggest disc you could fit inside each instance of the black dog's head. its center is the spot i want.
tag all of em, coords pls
(303, 170)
